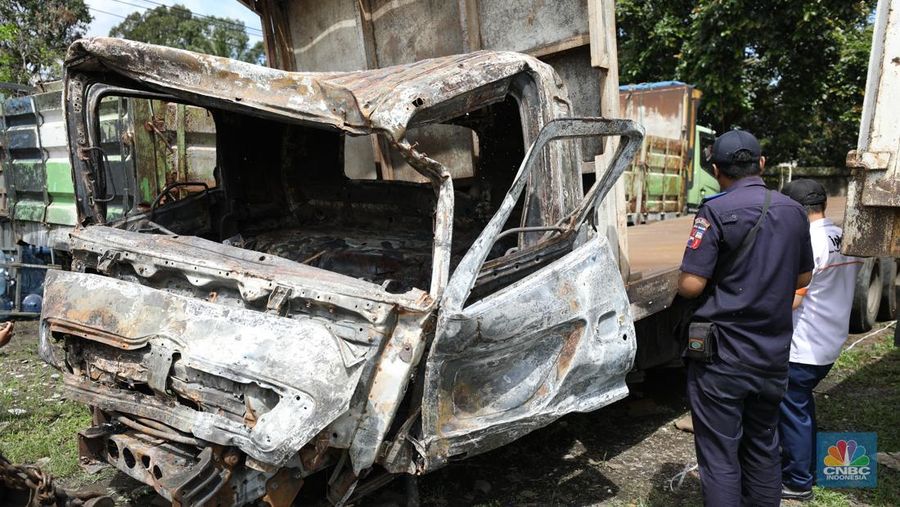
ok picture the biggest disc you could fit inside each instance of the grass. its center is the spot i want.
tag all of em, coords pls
(863, 392)
(864, 352)
(45, 432)
(860, 394)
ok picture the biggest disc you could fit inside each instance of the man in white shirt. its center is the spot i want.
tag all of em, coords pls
(821, 322)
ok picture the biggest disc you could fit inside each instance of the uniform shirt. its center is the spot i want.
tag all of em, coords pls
(751, 306)
(822, 320)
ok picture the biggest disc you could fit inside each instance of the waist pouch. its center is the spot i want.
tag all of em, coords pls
(701, 342)
(701, 336)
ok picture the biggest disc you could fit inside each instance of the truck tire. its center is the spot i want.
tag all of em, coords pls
(888, 308)
(866, 297)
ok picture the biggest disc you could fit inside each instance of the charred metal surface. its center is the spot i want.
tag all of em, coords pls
(558, 340)
(872, 220)
(338, 324)
(384, 99)
(311, 373)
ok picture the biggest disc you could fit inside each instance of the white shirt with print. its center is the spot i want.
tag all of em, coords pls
(822, 320)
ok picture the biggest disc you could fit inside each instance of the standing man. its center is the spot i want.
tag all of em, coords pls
(821, 322)
(748, 252)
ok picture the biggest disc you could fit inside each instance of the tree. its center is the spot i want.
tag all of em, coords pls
(791, 72)
(177, 27)
(34, 35)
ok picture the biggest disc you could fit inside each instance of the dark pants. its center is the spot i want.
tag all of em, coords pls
(797, 427)
(735, 415)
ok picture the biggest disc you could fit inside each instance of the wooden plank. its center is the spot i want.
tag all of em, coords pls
(652, 294)
(366, 32)
(276, 35)
(555, 47)
(470, 25)
(602, 25)
(382, 157)
(597, 27)
(283, 36)
(265, 20)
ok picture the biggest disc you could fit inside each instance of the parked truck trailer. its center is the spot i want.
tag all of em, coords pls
(872, 219)
(670, 176)
(37, 193)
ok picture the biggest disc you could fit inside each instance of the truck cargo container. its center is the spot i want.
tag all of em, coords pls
(669, 176)
(37, 199)
(872, 219)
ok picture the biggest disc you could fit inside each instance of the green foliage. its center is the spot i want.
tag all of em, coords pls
(34, 35)
(791, 72)
(177, 27)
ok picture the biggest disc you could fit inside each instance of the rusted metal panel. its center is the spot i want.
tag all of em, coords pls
(872, 221)
(398, 41)
(653, 294)
(255, 276)
(359, 103)
(583, 84)
(520, 25)
(453, 146)
(657, 180)
(660, 109)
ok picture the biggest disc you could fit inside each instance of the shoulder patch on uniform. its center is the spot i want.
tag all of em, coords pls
(700, 226)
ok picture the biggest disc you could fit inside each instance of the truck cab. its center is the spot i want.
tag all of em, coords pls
(702, 183)
(293, 308)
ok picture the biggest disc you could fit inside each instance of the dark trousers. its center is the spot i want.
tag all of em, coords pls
(735, 415)
(797, 427)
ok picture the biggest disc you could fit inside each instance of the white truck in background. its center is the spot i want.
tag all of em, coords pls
(872, 217)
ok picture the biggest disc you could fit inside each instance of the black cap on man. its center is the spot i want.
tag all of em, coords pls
(737, 154)
(806, 192)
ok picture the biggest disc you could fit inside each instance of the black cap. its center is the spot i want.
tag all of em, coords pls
(806, 192)
(730, 147)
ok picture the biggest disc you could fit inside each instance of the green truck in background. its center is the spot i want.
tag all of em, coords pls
(169, 147)
(669, 176)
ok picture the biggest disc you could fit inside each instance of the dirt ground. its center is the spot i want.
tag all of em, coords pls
(626, 454)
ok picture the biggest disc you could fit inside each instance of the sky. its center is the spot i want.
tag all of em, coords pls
(108, 13)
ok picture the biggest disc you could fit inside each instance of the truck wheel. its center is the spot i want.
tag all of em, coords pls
(888, 308)
(866, 297)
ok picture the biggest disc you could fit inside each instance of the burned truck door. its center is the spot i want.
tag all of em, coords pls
(559, 339)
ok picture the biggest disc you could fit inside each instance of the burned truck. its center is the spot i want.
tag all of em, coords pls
(294, 314)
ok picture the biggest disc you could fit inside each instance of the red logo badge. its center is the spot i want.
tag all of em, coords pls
(700, 227)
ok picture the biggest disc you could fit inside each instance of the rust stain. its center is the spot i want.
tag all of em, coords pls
(250, 414)
(570, 346)
(282, 489)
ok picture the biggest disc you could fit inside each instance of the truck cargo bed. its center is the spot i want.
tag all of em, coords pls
(655, 250)
(657, 247)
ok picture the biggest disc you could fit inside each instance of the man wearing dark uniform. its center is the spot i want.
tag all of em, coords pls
(748, 252)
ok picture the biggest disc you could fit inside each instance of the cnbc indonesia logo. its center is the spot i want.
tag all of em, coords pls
(847, 461)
